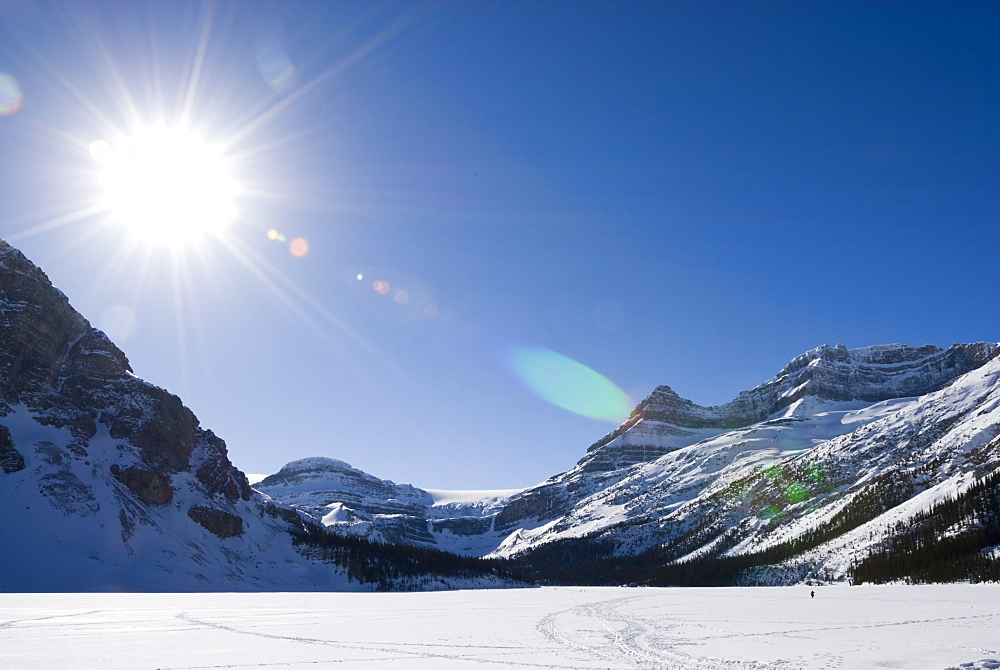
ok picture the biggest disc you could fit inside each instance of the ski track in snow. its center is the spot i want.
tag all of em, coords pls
(938, 627)
(401, 650)
(604, 629)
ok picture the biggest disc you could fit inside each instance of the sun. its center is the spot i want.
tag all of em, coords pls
(165, 184)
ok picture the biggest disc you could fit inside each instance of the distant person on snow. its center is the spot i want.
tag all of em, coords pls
(812, 594)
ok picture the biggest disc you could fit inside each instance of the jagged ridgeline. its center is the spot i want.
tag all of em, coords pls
(849, 465)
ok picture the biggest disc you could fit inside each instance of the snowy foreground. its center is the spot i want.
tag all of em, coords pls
(951, 626)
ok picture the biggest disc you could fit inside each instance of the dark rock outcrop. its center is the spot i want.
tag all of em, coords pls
(151, 488)
(69, 375)
(218, 522)
(11, 459)
(217, 474)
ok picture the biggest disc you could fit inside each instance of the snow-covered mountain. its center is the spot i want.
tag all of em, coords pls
(353, 502)
(790, 459)
(794, 476)
(820, 395)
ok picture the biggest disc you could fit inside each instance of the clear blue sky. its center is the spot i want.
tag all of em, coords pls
(680, 193)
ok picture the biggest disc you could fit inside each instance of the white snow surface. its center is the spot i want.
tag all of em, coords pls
(921, 627)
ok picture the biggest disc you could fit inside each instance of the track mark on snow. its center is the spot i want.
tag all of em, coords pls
(610, 630)
(394, 650)
(13, 622)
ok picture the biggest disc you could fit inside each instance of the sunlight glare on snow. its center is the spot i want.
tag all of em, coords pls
(568, 384)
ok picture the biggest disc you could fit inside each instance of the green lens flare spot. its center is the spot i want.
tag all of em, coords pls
(775, 472)
(796, 492)
(815, 473)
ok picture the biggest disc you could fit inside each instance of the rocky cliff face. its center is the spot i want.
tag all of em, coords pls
(100, 466)
(70, 375)
(869, 374)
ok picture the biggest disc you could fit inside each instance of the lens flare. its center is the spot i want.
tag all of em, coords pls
(815, 473)
(10, 95)
(570, 385)
(299, 247)
(770, 511)
(273, 61)
(394, 296)
(795, 493)
(277, 69)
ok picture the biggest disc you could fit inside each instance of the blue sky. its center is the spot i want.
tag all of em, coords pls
(506, 201)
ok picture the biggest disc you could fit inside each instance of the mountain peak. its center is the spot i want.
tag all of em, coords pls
(316, 464)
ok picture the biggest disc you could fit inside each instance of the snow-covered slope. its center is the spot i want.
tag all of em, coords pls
(684, 474)
(108, 482)
(822, 479)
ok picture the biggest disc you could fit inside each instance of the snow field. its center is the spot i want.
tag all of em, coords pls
(938, 626)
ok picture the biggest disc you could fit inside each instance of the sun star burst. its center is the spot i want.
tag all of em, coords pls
(166, 184)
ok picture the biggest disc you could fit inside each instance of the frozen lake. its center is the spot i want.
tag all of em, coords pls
(948, 626)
